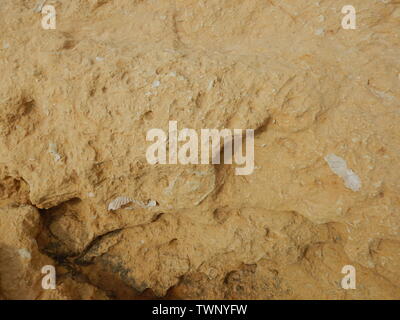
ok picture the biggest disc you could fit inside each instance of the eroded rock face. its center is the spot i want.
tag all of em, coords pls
(76, 104)
(19, 253)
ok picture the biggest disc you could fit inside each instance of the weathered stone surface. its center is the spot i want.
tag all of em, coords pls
(76, 104)
(20, 259)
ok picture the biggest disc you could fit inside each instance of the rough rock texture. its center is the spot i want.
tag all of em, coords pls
(76, 104)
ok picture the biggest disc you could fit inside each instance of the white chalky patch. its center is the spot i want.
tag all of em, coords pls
(24, 253)
(156, 84)
(319, 32)
(339, 166)
(119, 202)
(210, 85)
(382, 95)
(99, 59)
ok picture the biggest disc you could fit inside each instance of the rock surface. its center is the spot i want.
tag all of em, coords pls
(76, 104)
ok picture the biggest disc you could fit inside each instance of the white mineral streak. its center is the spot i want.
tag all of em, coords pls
(119, 202)
(339, 166)
(54, 152)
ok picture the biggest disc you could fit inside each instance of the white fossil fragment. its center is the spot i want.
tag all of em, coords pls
(151, 203)
(339, 166)
(99, 59)
(119, 202)
(142, 205)
(54, 152)
(156, 84)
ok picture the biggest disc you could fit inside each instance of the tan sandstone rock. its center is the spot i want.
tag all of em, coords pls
(76, 104)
